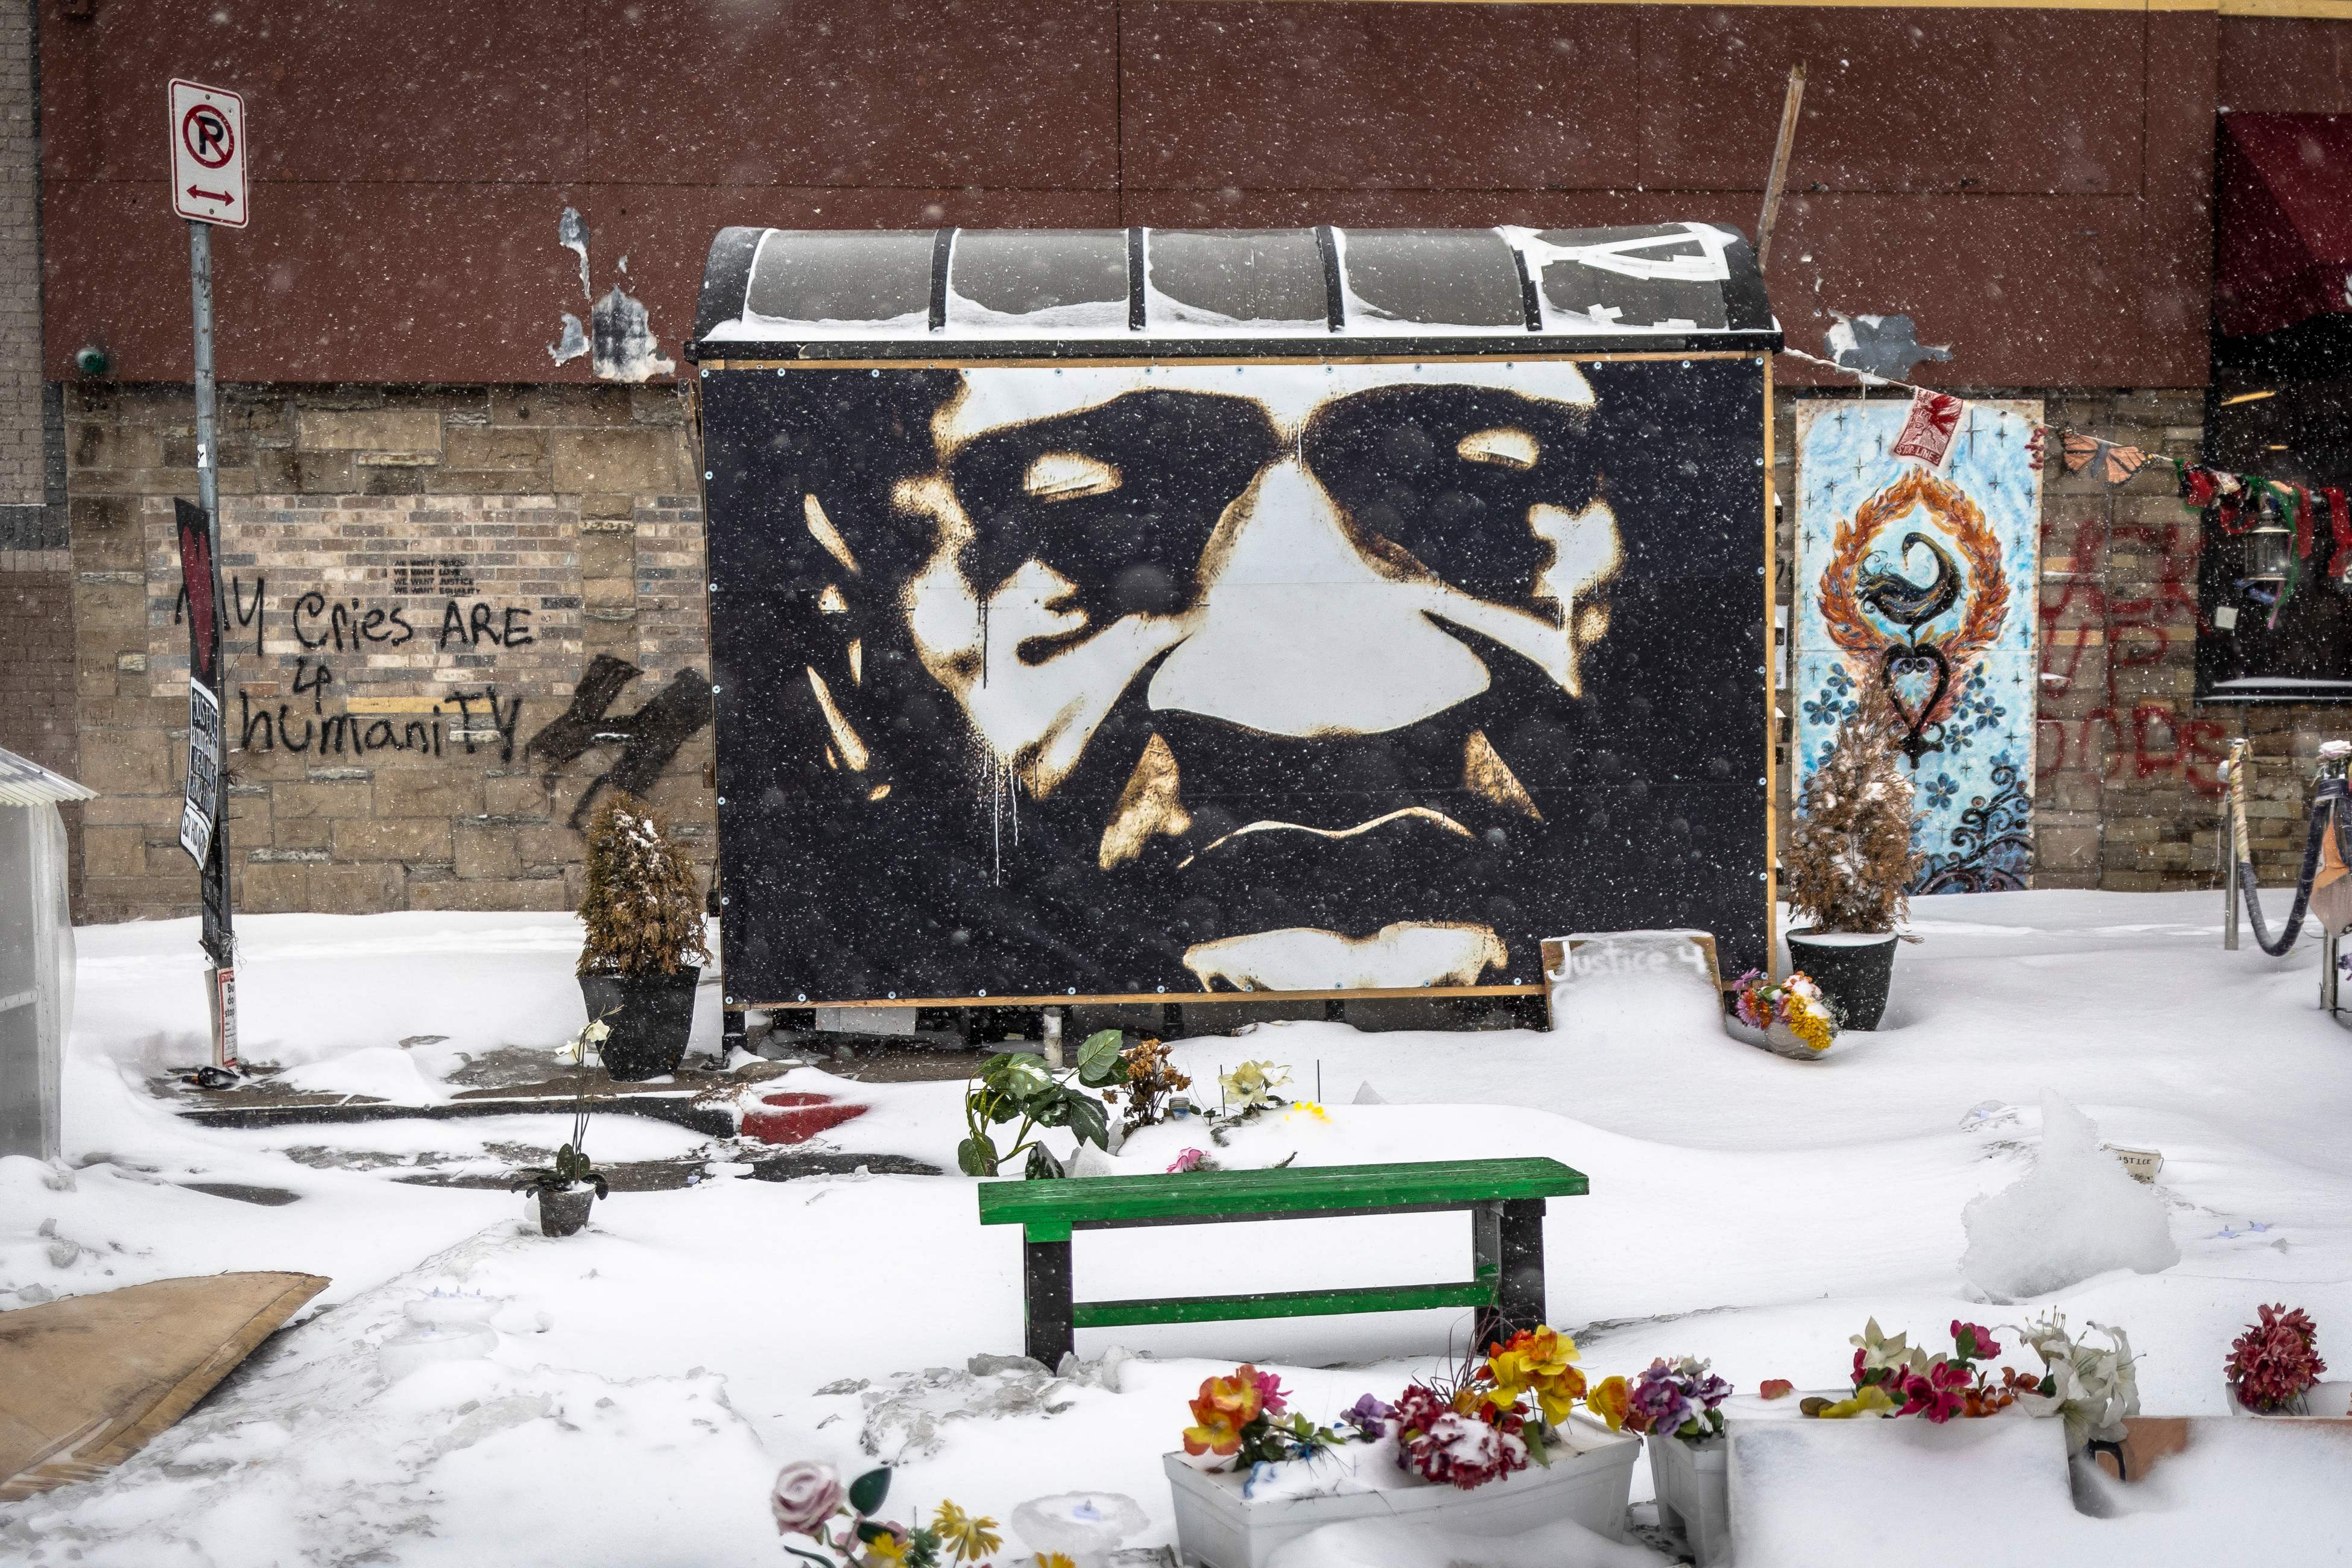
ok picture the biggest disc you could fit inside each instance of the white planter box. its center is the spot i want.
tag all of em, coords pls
(2329, 1399)
(1693, 1484)
(1590, 1480)
(1807, 1493)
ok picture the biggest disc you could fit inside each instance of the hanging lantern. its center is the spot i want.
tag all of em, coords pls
(2270, 545)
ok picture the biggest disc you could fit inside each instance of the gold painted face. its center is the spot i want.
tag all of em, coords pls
(1342, 556)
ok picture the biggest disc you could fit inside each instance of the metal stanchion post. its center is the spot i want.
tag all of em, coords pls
(2231, 784)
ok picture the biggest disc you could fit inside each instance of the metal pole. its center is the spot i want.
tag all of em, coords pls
(200, 284)
(2231, 784)
(200, 288)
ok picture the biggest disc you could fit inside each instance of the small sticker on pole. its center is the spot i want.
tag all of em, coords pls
(208, 154)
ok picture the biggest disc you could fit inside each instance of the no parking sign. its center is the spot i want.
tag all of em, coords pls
(208, 154)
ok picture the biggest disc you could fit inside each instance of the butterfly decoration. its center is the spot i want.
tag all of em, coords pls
(2115, 464)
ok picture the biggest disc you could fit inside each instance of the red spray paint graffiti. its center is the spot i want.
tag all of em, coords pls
(2145, 738)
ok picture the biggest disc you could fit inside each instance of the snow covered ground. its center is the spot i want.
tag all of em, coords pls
(652, 1373)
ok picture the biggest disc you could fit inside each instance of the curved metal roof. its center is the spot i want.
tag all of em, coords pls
(821, 294)
(24, 782)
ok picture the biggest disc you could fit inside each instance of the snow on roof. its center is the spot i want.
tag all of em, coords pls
(24, 782)
(1688, 285)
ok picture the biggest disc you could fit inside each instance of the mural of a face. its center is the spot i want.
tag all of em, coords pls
(1116, 680)
(1304, 580)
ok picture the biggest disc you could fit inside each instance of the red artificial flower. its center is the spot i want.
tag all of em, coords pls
(1269, 1389)
(1973, 1342)
(2274, 1361)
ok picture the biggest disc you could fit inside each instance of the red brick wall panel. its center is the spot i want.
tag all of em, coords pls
(1338, 95)
(1895, 100)
(2284, 65)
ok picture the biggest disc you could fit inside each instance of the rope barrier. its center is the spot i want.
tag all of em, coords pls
(2329, 793)
(2323, 814)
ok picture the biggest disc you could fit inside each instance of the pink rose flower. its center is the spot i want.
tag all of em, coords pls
(806, 1495)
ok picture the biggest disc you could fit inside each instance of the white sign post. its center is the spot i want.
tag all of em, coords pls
(209, 153)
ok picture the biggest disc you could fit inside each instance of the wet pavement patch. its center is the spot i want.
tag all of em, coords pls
(245, 1193)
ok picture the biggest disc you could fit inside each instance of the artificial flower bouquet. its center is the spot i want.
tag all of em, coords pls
(809, 1502)
(2275, 1364)
(1475, 1424)
(1672, 1399)
(2091, 1387)
(1789, 1013)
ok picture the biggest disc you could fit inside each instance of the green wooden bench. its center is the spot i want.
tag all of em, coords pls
(1505, 1198)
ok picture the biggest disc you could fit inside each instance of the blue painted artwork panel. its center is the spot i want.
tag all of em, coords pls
(1924, 584)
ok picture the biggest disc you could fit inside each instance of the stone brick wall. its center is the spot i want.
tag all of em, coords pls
(23, 473)
(37, 665)
(2126, 764)
(415, 580)
(420, 578)
(36, 638)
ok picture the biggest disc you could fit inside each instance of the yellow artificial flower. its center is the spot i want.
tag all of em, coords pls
(1251, 1083)
(1536, 1361)
(971, 1538)
(1871, 1401)
(1311, 1108)
(1225, 1405)
(887, 1550)
(1609, 1399)
(1811, 1024)
(1054, 1560)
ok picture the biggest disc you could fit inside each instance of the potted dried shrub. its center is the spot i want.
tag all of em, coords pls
(1850, 866)
(644, 949)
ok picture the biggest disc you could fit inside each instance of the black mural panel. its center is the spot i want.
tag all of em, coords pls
(1109, 680)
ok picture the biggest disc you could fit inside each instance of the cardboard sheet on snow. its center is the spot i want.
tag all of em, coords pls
(85, 1383)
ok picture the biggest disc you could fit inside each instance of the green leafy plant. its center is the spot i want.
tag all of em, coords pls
(641, 907)
(1015, 1087)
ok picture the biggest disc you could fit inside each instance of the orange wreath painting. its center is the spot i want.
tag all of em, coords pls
(1857, 597)
(1919, 586)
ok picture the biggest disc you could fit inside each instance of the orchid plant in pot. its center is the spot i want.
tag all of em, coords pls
(559, 1192)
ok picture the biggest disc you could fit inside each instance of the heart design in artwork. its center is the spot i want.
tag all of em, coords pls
(1917, 676)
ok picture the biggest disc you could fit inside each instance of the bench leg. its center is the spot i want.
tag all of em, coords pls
(1522, 1304)
(1045, 1296)
(1487, 1266)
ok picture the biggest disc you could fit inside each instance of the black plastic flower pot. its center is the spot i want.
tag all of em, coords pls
(562, 1213)
(650, 1016)
(1854, 971)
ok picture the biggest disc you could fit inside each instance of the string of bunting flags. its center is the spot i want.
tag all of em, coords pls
(2278, 518)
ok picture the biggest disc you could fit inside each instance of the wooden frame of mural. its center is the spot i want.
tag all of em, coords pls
(1262, 676)
(1956, 653)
